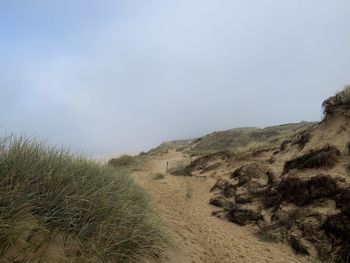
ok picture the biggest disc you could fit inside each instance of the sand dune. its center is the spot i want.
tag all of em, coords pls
(198, 236)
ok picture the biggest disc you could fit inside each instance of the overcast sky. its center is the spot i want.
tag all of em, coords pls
(108, 76)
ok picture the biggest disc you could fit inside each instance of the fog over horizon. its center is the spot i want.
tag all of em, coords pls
(123, 76)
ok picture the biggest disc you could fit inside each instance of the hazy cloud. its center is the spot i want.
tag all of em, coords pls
(111, 76)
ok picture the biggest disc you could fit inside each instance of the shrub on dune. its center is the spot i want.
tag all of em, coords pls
(124, 160)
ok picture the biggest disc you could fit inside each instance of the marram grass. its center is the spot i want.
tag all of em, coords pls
(55, 207)
(342, 98)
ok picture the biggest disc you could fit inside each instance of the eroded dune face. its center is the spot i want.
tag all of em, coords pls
(297, 193)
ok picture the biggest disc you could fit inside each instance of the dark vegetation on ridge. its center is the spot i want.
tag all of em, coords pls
(243, 139)
(235, 140)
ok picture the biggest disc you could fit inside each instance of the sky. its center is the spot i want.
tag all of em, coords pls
(113, 76)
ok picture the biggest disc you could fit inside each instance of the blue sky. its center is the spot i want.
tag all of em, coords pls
(116, 76)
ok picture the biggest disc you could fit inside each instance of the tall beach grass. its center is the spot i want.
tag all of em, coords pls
(55, 207)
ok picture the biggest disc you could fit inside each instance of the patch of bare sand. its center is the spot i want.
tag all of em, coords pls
(198, 236)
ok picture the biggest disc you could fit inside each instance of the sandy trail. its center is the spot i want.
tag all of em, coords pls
(198, 236)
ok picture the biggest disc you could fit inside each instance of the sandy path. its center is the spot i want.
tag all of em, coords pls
(198, 236)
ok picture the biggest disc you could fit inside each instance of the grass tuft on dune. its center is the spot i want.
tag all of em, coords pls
(55, 207)
(342, 98)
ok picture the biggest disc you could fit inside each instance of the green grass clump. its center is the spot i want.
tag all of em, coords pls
(158, 176)
(179, 168)
(123, 161)
(91, 212)
(342, 98)
(132, 163)
(189, 193)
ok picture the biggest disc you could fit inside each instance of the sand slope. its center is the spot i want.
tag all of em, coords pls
(198, 236)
